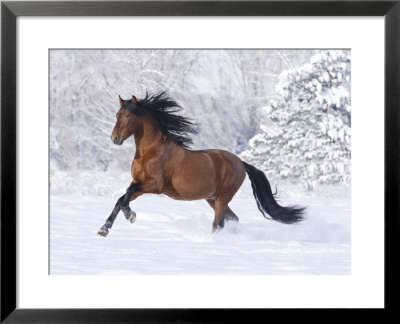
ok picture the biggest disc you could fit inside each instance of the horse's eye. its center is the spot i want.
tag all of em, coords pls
(128, 115)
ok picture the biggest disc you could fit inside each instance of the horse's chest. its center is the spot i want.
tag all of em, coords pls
(142, 171)
(138, 171)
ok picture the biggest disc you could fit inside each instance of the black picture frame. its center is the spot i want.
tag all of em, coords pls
(10, 10)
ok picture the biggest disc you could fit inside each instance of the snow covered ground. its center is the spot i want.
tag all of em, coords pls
(174, 237)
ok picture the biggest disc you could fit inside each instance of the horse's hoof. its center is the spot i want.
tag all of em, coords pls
(132, 217)
(102, 232)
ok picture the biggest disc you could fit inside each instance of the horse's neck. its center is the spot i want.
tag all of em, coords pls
(147, 136)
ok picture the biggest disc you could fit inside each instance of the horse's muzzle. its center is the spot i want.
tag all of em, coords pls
(117, 140)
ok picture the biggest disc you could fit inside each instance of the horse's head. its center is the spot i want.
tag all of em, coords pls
(127, 120)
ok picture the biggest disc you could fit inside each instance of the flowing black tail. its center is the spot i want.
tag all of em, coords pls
(265, 199)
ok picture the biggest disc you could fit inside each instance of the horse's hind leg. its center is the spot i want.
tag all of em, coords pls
(220, 208)
(229, 215)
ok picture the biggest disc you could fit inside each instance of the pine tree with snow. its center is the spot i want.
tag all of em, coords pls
(308, 131)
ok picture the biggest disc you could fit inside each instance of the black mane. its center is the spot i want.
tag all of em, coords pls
(164, 110)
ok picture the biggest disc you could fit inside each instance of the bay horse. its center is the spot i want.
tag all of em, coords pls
(163, 164)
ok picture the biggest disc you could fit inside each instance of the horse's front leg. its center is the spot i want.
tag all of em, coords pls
(131, 193)
(135, 190)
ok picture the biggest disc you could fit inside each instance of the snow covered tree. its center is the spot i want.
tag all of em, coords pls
(307, 135)
(256, 73)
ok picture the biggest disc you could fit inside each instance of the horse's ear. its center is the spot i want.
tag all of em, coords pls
(134, 100)
(121, 101)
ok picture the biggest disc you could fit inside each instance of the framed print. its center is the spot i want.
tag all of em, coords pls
(279, 109)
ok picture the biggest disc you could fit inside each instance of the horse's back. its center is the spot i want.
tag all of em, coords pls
(204, 173)
(229, 172)
(191, 175)
(229, 169)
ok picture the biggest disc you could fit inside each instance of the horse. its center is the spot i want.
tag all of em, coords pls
(164, 164)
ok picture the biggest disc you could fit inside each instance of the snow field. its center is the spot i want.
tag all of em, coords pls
(174, 237)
